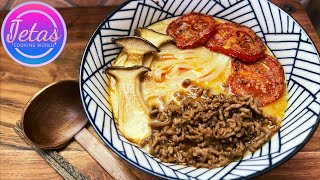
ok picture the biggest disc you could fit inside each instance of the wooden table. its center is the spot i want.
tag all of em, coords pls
(20, 83)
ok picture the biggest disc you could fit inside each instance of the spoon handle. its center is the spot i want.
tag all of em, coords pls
(111, 163)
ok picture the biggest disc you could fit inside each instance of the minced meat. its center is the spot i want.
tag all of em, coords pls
(208, 130)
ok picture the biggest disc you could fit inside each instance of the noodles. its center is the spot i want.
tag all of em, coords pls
(197, 64)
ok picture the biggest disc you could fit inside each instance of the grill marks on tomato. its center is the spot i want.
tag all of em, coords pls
(237, 41)
(191, 30)
(262, 79)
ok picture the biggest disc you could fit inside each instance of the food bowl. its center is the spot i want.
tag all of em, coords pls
(281, 33)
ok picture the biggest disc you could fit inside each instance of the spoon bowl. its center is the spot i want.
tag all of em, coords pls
(54, 115)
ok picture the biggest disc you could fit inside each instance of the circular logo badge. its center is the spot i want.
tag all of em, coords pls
(33, 34)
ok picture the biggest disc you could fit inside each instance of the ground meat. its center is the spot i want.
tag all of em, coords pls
(208, 130)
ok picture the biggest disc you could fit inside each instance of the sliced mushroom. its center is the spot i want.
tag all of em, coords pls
(136, 48)
(133, 118)
(157, 39)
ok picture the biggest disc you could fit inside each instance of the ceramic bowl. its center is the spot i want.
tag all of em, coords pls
(280, 32)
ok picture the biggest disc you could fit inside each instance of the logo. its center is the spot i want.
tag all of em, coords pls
(33, 34)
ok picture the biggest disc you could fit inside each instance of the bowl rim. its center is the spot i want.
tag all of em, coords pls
(258, 173)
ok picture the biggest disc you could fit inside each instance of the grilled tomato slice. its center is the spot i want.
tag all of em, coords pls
(237, 41)
(191, 30)
(262, 79)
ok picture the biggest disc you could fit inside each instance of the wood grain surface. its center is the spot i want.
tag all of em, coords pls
(20, 83)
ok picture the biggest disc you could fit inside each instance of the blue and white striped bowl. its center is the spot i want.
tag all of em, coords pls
(281, 33)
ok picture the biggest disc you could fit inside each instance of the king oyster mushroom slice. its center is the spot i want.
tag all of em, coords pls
(156, 38)
(132, 112)
(135, 48)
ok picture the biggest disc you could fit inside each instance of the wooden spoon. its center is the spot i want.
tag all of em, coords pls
(55, 115)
